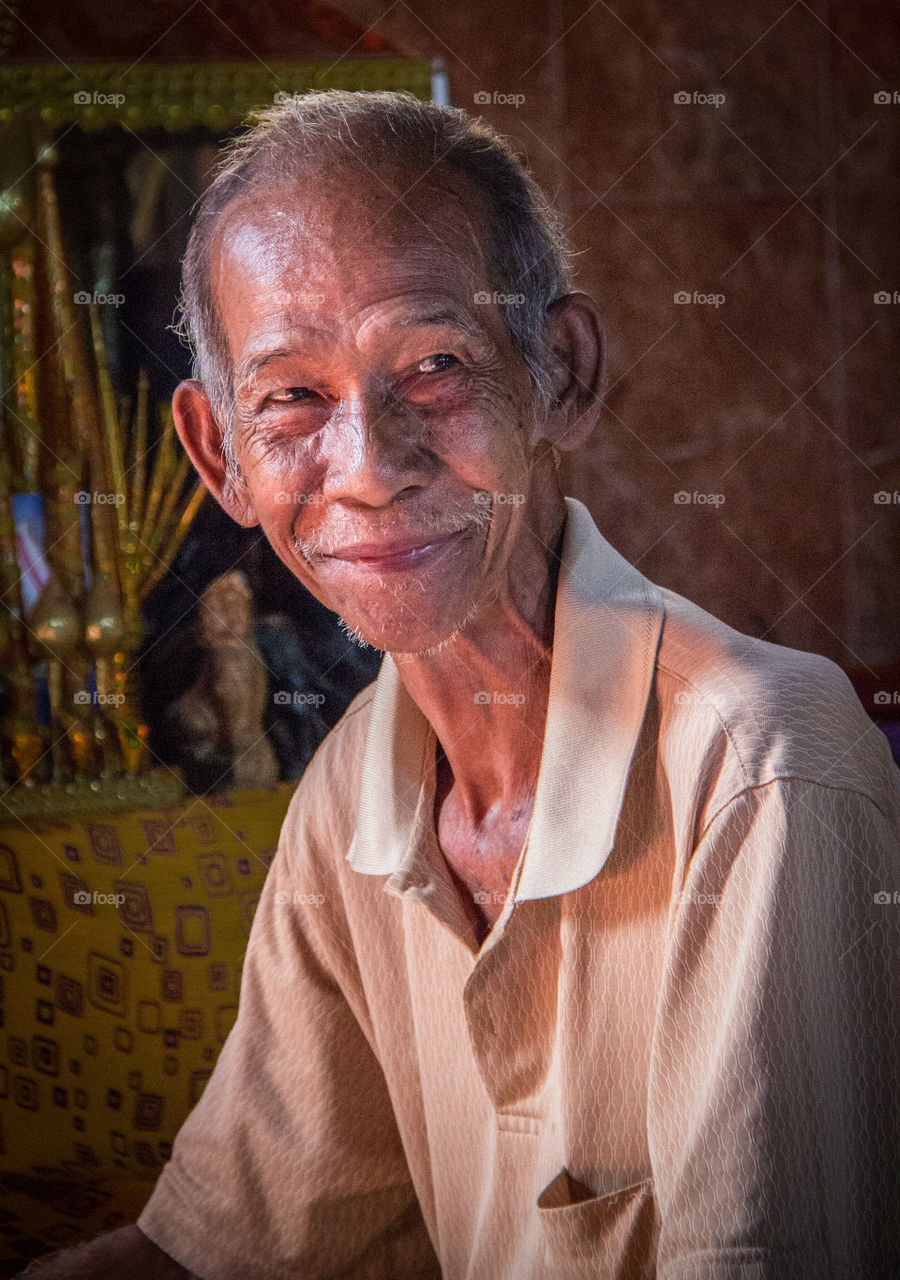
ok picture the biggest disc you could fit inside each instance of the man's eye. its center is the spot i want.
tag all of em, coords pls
(436, 364)
(290, 395)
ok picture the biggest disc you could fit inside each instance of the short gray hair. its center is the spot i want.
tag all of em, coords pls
(526, 249)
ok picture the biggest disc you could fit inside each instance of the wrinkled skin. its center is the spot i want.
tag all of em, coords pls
(394, 452)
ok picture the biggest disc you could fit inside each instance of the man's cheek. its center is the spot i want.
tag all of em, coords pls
(481, 446)
(499, 465)
(272, 452)
(279, 478)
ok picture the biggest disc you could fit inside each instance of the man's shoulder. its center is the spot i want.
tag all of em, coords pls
(765, 710)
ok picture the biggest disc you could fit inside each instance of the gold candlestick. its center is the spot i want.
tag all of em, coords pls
(55, 626)
(23, 409)
(104, 632)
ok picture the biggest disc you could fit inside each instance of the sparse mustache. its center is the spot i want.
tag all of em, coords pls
(432, 522)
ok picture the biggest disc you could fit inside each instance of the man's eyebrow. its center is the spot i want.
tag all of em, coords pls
(251, 366)
(449, 317)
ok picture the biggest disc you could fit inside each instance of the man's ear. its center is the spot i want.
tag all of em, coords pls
(202, 438)
(575, 339)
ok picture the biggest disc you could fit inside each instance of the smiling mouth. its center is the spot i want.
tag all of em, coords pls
(387, 557)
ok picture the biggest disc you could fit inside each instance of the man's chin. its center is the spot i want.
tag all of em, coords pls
(418, 637)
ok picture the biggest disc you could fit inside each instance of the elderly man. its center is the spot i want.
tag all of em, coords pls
(574, 960)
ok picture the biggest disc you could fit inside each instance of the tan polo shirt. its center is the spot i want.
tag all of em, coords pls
(674, 1054)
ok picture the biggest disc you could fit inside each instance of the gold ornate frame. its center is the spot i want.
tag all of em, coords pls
(183, 95)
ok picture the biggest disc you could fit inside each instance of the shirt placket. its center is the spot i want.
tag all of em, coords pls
(510, 1002)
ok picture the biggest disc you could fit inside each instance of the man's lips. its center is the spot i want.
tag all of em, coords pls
(396, 554)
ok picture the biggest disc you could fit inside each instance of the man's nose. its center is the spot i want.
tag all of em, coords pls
(374, 450)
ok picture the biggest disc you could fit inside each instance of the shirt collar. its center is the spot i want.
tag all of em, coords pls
(606, 631)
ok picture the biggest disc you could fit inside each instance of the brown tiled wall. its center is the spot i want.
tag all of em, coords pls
(783, 198)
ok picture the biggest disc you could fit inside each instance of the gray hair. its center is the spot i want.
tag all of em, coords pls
(526, 249)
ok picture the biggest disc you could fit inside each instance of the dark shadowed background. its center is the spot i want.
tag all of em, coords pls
(742, 157)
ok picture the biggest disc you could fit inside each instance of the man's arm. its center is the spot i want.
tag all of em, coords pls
(291, 1162)
(771, 1101)
(126, 1252)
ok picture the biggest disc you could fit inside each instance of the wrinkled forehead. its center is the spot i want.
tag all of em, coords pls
(333, 238)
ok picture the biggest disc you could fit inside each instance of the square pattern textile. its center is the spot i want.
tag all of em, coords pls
(122, 937)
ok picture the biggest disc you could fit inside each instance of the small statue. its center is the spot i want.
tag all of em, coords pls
(219, 721)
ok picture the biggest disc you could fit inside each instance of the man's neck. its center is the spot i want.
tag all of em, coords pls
(486, 691)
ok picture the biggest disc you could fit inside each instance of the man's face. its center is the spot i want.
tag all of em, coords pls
(383, 421)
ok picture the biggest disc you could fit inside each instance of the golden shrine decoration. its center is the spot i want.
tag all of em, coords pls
(115, 505)
(86, 625)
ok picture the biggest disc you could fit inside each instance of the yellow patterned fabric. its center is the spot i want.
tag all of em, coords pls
(121, 943)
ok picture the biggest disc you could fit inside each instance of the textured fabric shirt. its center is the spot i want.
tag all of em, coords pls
(672, 1056)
